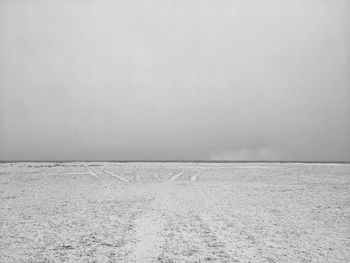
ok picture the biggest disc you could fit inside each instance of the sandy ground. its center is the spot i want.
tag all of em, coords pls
(174, 212)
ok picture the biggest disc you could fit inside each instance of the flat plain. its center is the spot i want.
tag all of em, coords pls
(174, 212)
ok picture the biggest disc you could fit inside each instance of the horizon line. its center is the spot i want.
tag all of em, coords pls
(169, 161)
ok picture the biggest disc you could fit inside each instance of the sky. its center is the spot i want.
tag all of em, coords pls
(210, 80)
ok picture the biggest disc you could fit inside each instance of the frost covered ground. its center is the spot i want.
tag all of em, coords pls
(174, 212)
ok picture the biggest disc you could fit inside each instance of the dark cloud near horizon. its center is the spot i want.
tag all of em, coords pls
(175, 80)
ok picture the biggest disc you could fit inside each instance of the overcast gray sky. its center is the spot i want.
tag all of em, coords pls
(175, 80)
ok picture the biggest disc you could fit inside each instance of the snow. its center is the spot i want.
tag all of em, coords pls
(174, 212)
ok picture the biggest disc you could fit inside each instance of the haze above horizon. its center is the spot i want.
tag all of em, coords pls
(175, 80)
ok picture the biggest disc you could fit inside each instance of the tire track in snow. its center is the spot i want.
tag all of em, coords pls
(240, 227)
(114, 175)
(75, 173)
(195, 177)
(176, 176)
(68, 173)
(99, 178)
(149, 226)
(215, 244)
(137, 177)
(148, 237)
(158, 177)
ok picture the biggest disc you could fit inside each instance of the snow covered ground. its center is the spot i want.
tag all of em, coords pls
(174, 212)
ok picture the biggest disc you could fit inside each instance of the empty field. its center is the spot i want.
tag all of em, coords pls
(174, 212)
